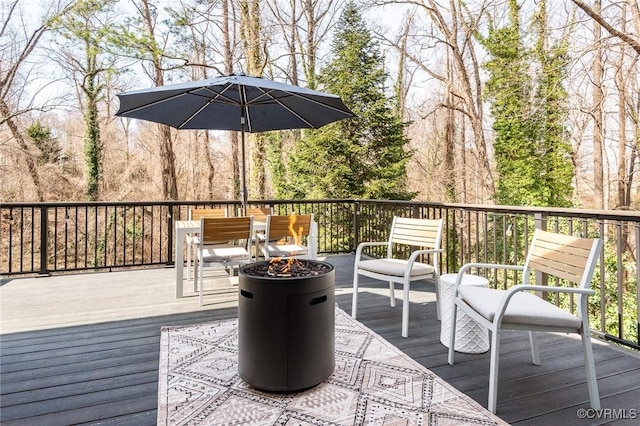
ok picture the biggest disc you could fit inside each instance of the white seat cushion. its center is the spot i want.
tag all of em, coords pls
(227, 253)
(394, 267)
(280, 250)
(523, 308)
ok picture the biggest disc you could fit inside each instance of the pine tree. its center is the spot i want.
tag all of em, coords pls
(50, 150)
(361, 157)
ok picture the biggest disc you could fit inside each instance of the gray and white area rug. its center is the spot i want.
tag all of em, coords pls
(374, 383)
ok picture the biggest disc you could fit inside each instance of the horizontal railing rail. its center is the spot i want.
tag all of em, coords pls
(46, 238)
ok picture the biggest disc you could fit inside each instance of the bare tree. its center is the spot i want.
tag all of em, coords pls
(597, 113)
(228, 59)
(14, 57)
(253, 46)
(453, 28)
(147, 44)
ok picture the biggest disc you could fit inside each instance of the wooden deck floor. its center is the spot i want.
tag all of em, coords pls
(84, 349)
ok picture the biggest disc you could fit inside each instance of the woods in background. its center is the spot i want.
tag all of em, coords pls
(495, 101)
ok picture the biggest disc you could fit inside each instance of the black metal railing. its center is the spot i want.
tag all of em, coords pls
(45, 238)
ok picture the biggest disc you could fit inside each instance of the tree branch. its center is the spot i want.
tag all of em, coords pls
(635, 44)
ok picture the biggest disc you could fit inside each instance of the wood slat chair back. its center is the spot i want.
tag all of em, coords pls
(225, 229)
(279, 226)
(259, 213)
(196, 214)
(559, 255)
(416, 232)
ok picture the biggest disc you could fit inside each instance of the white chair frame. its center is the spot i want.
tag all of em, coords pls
(569, 258)
(426, 233)
(226, 242)
(194, 240)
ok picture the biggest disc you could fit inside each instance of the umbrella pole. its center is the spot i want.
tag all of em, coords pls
(245, 194)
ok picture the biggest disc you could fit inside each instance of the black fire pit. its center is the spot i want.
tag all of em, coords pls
(286, 327)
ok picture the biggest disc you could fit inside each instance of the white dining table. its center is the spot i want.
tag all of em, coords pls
(191, 227)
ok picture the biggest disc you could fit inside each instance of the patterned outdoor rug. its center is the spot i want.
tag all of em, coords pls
(374, 383)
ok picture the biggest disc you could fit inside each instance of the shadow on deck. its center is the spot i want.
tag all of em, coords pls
(106, 372)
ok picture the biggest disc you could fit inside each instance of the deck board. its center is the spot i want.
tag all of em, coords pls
(90, 355)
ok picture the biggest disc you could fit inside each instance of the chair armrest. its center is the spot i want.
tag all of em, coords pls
(489, 266)
(414, 256)
(416, 253)
(552, 289)
(425, 251)
(368, 244)
(466, 266)
(510, 292)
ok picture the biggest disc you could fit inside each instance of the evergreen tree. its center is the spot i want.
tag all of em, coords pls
(361, 157)
(533, 162)
(50, 150)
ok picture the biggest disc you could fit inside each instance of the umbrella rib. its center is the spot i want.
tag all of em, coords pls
(170, 98)
(268, 93)
(297, 95)
(217, 97)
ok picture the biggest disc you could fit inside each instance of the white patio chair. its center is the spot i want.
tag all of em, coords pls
(570, 260)
(192, 241)
(224, 241)
(281, 242)
(424, 233)
(259, 214)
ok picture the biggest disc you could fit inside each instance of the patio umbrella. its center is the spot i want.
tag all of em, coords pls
(234, 102)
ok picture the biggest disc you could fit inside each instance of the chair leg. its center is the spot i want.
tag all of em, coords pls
(405, 309)
(592, 382)
(196, 262)
(194, 266)
(188, 261)
(354, 297)
(452, 335)
(201, 270)
(493, 370)
(392, 294)
(535, 352)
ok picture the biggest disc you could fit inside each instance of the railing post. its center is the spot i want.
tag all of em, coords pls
(356, 224)
(540, 220)
(44, 240)
(170, 231)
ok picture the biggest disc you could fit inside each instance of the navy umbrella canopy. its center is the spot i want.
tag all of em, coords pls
(234, 102)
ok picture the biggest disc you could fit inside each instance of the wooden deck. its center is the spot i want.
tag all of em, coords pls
(84, 349)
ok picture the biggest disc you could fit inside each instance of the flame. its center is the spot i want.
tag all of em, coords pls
(297, 236)
(297, 240)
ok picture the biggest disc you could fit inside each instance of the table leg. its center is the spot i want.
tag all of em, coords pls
(179, 262)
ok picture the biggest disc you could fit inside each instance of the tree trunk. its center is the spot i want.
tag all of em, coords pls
(470, 82)
(252, 46)
(228, 68)
(15, 132)
(167, 156)
(598, 117)
(450, 142)
(623, 201)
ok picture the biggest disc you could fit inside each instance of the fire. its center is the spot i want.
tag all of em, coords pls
(275, 267)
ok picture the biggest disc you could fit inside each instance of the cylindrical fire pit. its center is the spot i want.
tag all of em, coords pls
(286, 328)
